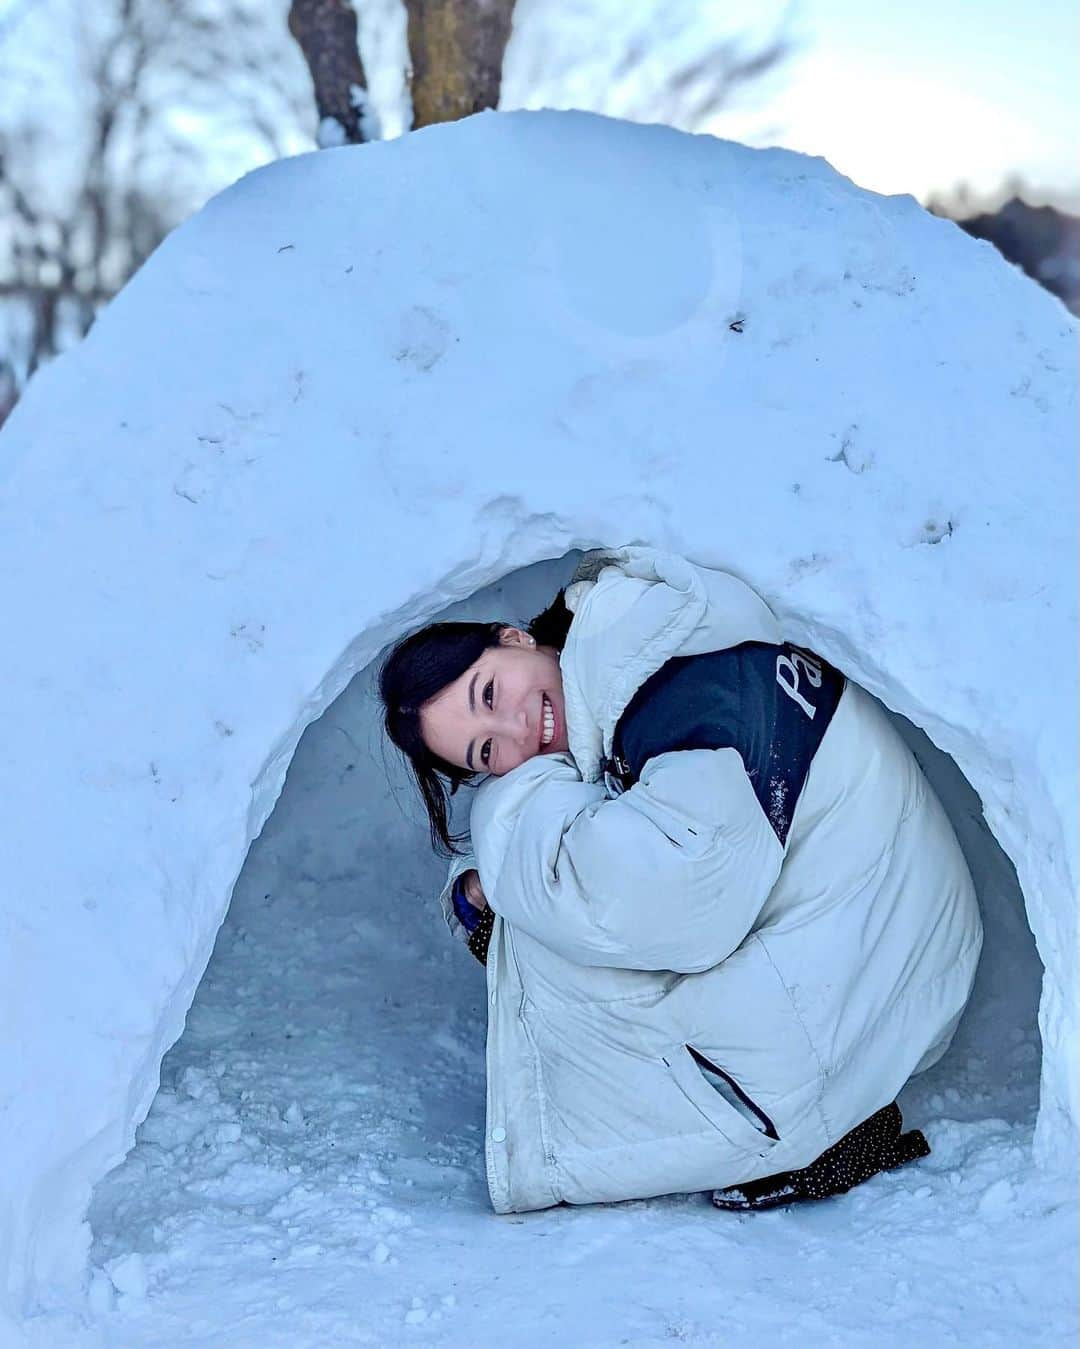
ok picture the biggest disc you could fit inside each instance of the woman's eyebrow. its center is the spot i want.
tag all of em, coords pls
(472, 709)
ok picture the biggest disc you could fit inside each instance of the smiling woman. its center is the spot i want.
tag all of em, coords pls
(463, 699)
(505, 708)
(683, 811)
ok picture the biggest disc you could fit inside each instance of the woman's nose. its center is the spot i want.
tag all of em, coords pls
(514, 726)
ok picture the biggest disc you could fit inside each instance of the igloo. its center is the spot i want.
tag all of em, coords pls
(363, 384)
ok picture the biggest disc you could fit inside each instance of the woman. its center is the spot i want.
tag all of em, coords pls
(728, 917)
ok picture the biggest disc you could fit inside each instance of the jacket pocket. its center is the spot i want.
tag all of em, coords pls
(721, 1100)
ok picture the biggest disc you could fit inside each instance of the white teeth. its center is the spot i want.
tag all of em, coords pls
(549, 723)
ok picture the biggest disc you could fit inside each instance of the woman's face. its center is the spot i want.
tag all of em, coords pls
(501, 711)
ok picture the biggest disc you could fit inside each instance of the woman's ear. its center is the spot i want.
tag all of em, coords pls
(515, 637)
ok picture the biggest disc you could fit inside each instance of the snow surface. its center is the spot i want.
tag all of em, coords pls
(360, 386)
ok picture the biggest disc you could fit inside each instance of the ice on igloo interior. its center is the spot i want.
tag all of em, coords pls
(299, 433)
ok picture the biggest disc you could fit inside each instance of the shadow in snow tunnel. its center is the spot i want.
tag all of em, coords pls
(336, 1043)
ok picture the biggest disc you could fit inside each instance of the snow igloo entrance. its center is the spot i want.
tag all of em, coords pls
(325, 1103)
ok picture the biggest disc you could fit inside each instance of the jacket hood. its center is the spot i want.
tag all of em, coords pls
(634, 608)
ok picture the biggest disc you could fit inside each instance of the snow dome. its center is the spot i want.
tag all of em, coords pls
(367, 383)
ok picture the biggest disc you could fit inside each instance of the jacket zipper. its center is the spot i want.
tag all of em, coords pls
(766, 1123)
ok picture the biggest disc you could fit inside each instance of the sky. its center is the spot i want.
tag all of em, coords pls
(920, 96)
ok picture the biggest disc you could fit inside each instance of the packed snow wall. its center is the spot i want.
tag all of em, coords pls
(363, 384)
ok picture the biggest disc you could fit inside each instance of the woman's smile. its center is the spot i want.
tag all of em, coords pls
(548, 723)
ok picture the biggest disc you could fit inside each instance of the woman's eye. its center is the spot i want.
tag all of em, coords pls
(489, 689)
(485, 753)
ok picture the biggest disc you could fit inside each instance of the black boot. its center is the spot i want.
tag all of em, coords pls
(871, 1147)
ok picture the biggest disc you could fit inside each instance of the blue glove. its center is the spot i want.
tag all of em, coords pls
(468, 914)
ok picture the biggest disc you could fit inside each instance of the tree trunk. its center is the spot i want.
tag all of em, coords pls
(456, 47)
(326, 32)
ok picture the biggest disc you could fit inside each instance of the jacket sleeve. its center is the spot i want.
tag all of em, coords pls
(458, 866)
(671, 875)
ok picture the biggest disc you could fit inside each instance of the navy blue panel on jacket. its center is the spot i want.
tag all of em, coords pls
(771, 703)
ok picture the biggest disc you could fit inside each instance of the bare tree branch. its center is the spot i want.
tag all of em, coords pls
(709, 83)
(95, 166)
(326, 31)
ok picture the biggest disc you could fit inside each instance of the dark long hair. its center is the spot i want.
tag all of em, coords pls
(420, 666)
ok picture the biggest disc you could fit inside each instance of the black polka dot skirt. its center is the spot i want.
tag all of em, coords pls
(480, 937)
(874, 1146)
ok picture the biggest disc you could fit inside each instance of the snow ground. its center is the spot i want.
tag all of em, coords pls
(311, 1171)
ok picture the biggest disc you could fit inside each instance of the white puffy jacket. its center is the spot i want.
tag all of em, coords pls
(677, 1001)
